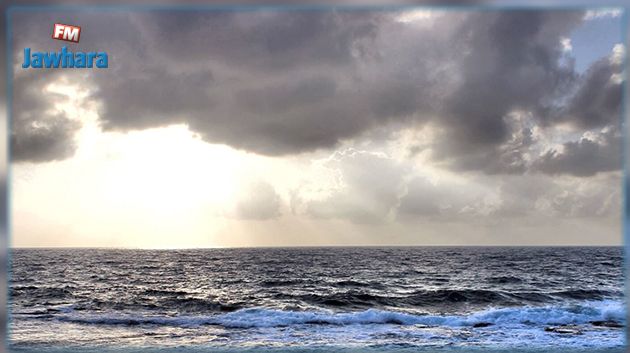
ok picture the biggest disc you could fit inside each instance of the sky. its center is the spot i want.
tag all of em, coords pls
(328, 127)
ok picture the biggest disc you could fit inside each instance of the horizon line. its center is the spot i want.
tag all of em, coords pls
(315, 246)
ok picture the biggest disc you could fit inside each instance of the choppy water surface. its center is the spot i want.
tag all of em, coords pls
(382, 298)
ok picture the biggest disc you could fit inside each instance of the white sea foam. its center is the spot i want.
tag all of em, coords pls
(581, 313)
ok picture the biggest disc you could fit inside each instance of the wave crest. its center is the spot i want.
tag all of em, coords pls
(582, 313)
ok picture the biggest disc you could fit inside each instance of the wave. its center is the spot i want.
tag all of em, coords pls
(42, 292)
(585, 294)
(446, 297)
(197, 305)
(584, 313)
(182, 304)
(504, 280)
(185, 302)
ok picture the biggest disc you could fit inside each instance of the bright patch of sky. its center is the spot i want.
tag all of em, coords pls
(596, 37)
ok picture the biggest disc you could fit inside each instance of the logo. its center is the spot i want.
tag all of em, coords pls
(64, 58)
(66, 32)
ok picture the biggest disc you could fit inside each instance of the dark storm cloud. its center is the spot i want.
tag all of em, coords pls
(271, 83)
(507, 157)
(585, 157)
(263, 40)
(154, 104)
(513, 62)
(265, 82)
(313, 78)
(598, 100)
(40, 132)
(52, 141)
(279, 83)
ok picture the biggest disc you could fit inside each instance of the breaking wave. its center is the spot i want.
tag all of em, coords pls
(583, 313)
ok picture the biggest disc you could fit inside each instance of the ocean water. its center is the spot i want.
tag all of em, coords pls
(345, 299)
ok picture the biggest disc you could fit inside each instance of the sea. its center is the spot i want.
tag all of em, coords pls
(416, 299)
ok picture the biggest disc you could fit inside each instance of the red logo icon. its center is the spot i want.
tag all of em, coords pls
(67, 33)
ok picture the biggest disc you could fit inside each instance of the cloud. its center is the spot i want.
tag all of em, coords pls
(566, 44)
(290, 82)
(551, 197)
(512, 156)
(588, 156)
(270, 83)
(512, 63)
(259, 201)
(443, 201)
(364, 188)
(601, 199)
(502, 199)
(602, 13)
(597, 101)
(40, 132)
